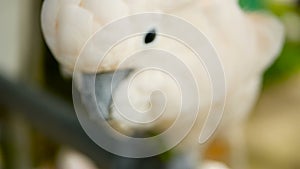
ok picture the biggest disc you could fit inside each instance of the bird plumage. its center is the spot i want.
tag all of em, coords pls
(247, 43)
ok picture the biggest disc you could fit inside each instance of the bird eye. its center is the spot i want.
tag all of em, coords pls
(150, 36)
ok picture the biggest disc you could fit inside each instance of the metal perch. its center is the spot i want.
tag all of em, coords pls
(57, 120)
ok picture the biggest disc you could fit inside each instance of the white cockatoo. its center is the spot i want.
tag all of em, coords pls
(246, 43)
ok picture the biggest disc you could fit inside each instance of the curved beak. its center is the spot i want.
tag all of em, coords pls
(98, 101)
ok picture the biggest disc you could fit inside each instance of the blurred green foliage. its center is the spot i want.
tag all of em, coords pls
(286, 65)
(251, 5)
(288, 62)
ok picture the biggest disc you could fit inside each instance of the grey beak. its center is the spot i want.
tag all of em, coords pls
(97, 102)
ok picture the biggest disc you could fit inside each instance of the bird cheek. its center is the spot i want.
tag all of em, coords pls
(139, 102)
(155, 105)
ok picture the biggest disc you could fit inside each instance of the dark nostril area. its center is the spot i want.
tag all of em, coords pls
(150, 36)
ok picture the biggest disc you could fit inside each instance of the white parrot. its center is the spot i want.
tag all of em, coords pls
(247, 43)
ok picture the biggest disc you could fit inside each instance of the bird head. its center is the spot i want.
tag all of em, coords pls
(246, 43)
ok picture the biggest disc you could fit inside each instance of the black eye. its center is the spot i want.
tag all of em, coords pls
(150, 36)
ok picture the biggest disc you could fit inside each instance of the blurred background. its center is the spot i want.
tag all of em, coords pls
(37, 123)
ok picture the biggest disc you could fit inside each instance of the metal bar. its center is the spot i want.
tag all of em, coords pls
(57, 120)
(52, 117)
